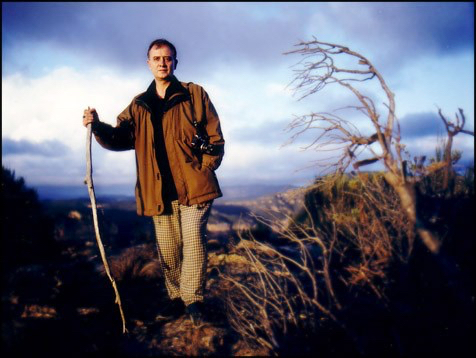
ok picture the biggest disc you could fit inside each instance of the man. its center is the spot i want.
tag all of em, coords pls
(175, 131)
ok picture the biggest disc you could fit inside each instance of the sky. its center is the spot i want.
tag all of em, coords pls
(60, 58)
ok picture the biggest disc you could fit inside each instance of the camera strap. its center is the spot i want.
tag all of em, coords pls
(201, 132)
(199, 128)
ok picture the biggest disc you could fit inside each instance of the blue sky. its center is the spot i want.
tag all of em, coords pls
(59, 58)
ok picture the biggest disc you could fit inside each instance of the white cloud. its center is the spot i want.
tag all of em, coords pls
(50, 107)
(254, 105)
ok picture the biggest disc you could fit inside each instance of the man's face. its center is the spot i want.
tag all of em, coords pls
(162, 62)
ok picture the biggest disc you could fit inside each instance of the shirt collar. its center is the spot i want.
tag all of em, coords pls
(175, 87)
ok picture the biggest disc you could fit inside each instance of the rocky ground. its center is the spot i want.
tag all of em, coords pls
(63, 306)
(69, 309)
(66, 306)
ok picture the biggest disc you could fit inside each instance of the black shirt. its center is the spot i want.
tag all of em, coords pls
(157, 105)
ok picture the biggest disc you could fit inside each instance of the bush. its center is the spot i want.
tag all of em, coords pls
(357, 282)
(27, 233)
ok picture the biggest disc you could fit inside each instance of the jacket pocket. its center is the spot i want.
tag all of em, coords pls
(186, 151)
(201, 180)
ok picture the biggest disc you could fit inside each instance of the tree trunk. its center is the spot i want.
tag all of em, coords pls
(448, 179)
(408, 201)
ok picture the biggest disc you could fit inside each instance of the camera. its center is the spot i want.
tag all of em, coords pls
(201, 144)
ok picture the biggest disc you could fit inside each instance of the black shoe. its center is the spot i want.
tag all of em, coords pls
(195, 313)
(173, 309)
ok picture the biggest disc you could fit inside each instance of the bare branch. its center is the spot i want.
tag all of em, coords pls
(361, 163)
(320, 70)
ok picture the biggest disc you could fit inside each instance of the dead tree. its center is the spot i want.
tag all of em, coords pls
(327, 64)
(452, 129)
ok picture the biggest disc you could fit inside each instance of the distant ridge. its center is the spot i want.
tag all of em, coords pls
(230, 192)
(250, 192)
(50, 192)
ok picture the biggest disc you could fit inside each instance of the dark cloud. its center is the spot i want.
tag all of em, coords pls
(444, 27)
(393, 34)
(119, 33)
(206, 34)
(40, 21)
(417, 127)
(421, 125)
(48, 148)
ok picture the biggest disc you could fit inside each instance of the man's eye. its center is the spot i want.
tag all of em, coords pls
(166, 58)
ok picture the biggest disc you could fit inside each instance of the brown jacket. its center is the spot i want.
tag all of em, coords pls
(193, 173)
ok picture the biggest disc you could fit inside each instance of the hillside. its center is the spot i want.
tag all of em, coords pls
(67, 305)
(73, 216)
(345, 278)
(243, 214)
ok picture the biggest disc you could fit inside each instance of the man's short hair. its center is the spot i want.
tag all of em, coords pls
(160, 43)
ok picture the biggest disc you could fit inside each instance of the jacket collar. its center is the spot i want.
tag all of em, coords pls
(175, 94)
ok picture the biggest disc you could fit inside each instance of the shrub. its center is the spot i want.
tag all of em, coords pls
(27, 233)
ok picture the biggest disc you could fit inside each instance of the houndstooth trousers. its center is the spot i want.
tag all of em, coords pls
(181, 246)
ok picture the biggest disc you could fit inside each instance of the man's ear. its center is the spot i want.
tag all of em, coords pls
(175, 67)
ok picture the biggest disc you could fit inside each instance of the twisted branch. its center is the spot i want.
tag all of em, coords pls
(323, 71)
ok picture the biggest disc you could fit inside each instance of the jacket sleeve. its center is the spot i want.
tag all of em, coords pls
(118, 138)
(212, 126)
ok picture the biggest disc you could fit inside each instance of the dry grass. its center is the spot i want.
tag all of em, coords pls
(347, 236)
(138, 262)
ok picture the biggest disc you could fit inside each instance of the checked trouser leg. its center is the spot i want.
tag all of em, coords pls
(181, 246)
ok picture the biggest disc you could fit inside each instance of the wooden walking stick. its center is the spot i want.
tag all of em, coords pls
(92, 196)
